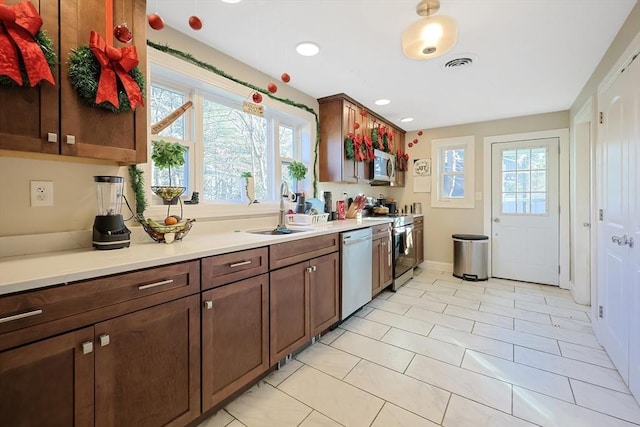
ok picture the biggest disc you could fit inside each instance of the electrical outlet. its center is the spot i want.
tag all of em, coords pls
(41, 193)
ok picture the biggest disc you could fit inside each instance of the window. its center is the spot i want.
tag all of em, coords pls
(222, 140)
(453, 161)
(524, 181)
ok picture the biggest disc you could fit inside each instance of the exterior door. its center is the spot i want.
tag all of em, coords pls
(525, 210)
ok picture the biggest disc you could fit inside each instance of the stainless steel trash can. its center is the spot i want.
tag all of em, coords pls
(470, 256)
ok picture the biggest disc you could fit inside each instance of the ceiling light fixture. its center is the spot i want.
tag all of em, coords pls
(307, 49)
(431, 36)
(382, 102)
(406, 119)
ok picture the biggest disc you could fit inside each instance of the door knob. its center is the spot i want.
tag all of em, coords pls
(496, 219)
(586, 224)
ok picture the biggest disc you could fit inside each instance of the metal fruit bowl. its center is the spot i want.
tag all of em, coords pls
(166, 233)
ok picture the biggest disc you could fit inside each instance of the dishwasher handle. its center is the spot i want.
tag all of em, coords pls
(347, 241)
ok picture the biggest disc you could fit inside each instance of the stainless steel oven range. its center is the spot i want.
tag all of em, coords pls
(404, 254)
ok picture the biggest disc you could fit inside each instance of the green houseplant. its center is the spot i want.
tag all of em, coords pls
(168, 155)
(249, 187)
(297, 171)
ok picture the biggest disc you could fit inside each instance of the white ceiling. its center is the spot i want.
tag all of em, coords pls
(533, 56)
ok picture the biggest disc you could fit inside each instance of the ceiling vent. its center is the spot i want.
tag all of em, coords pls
(457, 63)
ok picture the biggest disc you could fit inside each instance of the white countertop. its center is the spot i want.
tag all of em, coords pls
(21, 273)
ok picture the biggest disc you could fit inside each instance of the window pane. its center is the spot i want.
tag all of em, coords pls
(508, 182)
(286, 142)
(539, 158)
(539, 203)
(284, 173)
(524, 159)
(508, 203)
(453, 186)
(163, 103)
(522, 203)
(454, 160)
(509, 160)
(539, 181)
(233, 142)
(523, 181)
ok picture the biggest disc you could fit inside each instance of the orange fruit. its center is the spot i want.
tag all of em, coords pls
(170, 220)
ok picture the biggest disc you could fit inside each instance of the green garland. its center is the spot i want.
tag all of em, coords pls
(84, 73)
(349, 148)
(46, 44)
(191, 59)
(137, 184)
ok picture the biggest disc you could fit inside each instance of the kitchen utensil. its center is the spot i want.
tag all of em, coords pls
(417, 207)
(299, 199)
(109, 231)
(393, 207)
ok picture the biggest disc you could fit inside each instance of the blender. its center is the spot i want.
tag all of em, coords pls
(109, 231)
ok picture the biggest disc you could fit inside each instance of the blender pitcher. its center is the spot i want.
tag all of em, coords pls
(109, 231)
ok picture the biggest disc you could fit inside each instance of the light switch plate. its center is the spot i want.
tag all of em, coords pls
(41, 193)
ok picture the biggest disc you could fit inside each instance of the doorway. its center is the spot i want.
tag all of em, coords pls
(527, 186)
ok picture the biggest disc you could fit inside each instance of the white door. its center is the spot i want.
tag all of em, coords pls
(618, 259)
(525, 213)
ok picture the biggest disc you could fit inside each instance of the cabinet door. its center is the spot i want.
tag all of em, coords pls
(235, 337)
(147, 366)
(324, 292)
(100, 133)
(29, 114)
(48, 383)
(289, 310)
(419, 240)
(376, 267)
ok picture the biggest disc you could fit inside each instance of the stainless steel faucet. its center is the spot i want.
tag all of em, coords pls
(284, 192)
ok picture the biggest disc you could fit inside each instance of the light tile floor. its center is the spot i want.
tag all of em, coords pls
(444, 352)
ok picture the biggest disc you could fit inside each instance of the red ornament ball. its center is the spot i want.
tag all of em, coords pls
(285, 77)
(415, 141)
(272, 88)
(155, 21)
(419, 133)
(410, 144)
(356, 125)
(257, 97)
(363, 112)
(195, 22)
(406, 156)
(122, 33)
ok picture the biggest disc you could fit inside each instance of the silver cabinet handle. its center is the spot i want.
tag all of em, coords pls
(153, 285)
(52, 137)
(87, 347)
(239, 264)
(20, 316)
(208, 305)
(71, 139)
(104, 340)
(309, 269)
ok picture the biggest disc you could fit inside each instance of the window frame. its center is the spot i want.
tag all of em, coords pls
(438, 147)
(176, 74)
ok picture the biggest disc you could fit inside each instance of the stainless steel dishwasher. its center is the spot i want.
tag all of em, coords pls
(355, 260)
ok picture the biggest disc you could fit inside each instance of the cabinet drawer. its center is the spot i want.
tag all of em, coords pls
(381, 231)
(418, 221)
(288, 253)
(41, 313)
(222, 269)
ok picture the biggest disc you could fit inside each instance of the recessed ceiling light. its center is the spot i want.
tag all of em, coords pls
(382, 102)
(232, 1)
(307, 48)
(406, 119)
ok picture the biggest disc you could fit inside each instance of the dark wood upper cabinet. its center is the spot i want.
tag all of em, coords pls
(31, 117)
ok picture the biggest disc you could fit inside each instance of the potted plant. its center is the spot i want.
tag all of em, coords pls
(297, 172)
(249, 188)
(167, 155)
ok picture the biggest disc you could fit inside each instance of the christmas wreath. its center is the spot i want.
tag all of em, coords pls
(107, 77)
(28, 53)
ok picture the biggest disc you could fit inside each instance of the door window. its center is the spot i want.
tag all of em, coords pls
(524, 185)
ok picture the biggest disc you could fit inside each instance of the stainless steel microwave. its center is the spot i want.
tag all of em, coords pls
(383, 168)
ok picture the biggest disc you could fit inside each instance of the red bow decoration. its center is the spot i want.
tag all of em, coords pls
(369, 147)
(115, 62)
(358, 148)
(19, 24)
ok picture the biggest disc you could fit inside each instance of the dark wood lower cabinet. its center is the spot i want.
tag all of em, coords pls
(235, 337)
(304, 301)
(147, 366)
(382, 256)
(48, 383)
(418, 233)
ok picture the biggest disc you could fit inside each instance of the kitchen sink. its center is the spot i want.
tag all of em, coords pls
(276, 232)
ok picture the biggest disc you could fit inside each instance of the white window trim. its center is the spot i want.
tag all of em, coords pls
(201, 79)
(437, 145)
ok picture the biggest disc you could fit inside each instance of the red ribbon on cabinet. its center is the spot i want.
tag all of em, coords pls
(114, 63)
(19, 24)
